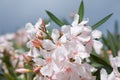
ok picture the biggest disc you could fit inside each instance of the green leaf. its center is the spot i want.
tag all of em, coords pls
(101, 61)
(112, 43)
(116, 35)
(81, 11)
(105, 41)
(101, 21)
(97, 74)
(54, 18)
(2, 77)
(9, 66)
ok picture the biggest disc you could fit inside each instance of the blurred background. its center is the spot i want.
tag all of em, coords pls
(14, 14)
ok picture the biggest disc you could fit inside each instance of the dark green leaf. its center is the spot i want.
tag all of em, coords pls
(54, 18)
(81, 11)
(100, 61)
(9, 66)
(112, 43)
(116, 30)
(97, 74)
(2, 77)
(101, 21)
(105, 41)
(116, 35)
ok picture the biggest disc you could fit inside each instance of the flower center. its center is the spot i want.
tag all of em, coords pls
(48, 60)
(58, 44)
(68, 70)
(75, 53)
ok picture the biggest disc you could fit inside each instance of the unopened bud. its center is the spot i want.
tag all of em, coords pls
(39, 35)
(109, 52)
(43, 23)
(36, 69)
(23, 70)
(37, 43)
(27, 58)
(2, 49)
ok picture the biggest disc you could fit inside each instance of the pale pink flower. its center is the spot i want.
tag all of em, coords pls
(61, 54)
(30, 30)
(96, 34)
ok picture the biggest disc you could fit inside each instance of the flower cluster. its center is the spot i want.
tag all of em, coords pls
(11, 47)
(63, 54)
(115, 74)
(72, 52)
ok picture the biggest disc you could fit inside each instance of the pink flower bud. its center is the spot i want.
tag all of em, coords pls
(36, 69)
(23, 70)
(27, 58)
(37, 43)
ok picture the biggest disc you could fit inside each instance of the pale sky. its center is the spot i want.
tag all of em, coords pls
(14, 14)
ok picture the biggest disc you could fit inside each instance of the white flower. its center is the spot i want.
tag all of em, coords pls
(38, 24)
(68, 72)
(96, 34)
(30, 30)
(34, 52)
(55, 35)
(76, 30)
(81, 51)
(76, 19)
(115, 61)
(114, 75)
(48, 44)
(61, 54)
(97, 45)
(49, 68)
(63, 39)
(104, 75)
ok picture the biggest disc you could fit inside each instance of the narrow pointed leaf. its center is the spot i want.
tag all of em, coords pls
(54, 18)
(97, 74)
(116, 29)
(105, 41)
(96, 58)
(81, 11)
(112, 43)
(101, 21)
(116, 35)
(102, 62)
(99, 60)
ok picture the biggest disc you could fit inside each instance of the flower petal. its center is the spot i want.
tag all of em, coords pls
(48, 44)
(103, 74)
(97, 45)
(96, 34)
(75, 21)
(55, 35)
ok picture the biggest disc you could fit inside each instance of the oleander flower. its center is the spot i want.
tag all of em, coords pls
(61, 55)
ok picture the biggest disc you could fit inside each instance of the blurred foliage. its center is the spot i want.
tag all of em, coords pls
(111, 45)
